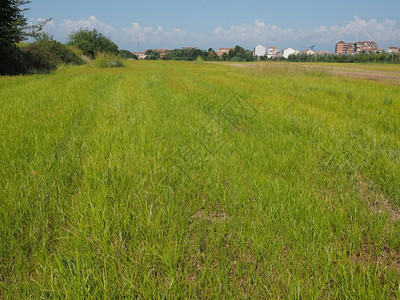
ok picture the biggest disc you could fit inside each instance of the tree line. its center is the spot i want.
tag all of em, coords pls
(362, 57)
(191, 54)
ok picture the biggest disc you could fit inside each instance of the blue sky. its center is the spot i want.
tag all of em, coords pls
(213, 24)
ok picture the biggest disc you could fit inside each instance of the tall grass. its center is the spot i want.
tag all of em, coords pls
(184, 180)
(107, 60)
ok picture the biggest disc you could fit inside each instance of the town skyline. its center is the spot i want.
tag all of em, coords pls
(272, 52)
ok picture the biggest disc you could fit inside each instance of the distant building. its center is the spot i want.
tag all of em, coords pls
(226, 49)
(312, 52)
(163, 52)
(365, 46)
(259, 51)
(308, 52)
(286, 52)
(345, 48)
(393, 50)
(223, 50)
(140, 55)
(358, 47)
(323, 52)
(190, 48)
(272, 51)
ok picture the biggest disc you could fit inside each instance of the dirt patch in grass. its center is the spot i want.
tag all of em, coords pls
(214, 217)
(387, 258)
(217, 215)
(200, 240)
(377, 202)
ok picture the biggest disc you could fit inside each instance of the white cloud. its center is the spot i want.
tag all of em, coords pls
(355, 30)
(257, 33)
(68, 26)
(244, 34)
(154, 35)
(358, 29)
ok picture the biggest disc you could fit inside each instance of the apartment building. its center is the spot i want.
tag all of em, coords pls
(163, 52)
(272, 51)
(286, 52)
(223, 50)
(366, 46)
(357, 47)
(259, 50)
(393, 50)
(345, 48)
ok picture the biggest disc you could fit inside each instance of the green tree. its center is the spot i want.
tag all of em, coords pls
(44, 37)
(238, 51)
(91, 42)
(14, 29)
(240, 54)
(152, 55)
(175, 54)
(212, 55)
(249, 56)
(127, 54)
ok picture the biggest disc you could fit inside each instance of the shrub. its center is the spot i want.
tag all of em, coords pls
(200, 60)
(125, 54)
(46, 56)
(107, 60)
(236, 58)
(62, 52)
(39, 59)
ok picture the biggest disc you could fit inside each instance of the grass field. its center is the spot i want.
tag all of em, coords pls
(359, 66)
(186, 180)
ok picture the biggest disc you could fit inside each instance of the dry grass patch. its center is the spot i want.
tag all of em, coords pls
(215, 217)
(376, 201)
(387, 258)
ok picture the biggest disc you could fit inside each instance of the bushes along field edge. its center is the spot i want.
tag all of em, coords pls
(108, 60)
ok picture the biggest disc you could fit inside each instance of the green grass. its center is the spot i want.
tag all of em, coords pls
(183, 180)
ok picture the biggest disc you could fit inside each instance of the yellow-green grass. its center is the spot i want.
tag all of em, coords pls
(384, 67)
(183, 180)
